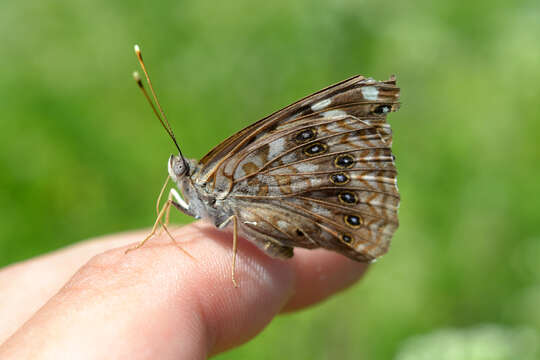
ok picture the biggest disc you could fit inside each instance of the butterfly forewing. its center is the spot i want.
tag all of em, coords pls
(348, 95)
(318, 173)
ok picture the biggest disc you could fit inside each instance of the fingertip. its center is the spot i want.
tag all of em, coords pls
(156, 295)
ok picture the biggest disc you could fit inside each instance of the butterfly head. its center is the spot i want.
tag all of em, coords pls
(198, 205)
(178, 167)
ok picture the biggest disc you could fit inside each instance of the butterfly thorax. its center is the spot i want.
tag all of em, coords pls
(202, 203)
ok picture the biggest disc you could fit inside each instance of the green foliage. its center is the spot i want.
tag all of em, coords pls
(83, 156)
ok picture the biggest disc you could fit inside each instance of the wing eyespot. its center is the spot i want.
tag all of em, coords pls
(346, 239)
(315, 149)
(339, 179)
(382, 109)
(344, 161)
(353, 221)
(348, 197)
(305, 135)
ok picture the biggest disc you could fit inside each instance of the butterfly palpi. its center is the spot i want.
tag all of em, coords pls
(318, 173)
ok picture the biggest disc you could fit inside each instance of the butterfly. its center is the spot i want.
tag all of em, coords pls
(318, 173)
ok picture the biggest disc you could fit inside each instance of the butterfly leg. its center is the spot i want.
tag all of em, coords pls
(154, 228)
(159, 200)
(178, 203)
(163, 212)
(158, 213)
(235, 244)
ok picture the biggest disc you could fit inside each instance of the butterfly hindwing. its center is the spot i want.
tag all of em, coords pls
(348, 189)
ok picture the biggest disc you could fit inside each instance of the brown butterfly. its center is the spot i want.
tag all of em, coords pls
(318, 173)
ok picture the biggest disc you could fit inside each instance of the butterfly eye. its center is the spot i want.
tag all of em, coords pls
(305, 135)
(347, 239)
(382, 109)
(177, 167)
(314, 149)
(299, 232)
(347, 197)
(344, 161)
(339, 178)
(353, 221)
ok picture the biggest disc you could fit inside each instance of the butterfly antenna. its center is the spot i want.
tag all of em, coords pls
(161, 114)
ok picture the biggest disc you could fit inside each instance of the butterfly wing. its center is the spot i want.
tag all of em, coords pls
(318, 173)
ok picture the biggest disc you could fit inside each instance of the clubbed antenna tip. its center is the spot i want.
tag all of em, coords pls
(137, 78)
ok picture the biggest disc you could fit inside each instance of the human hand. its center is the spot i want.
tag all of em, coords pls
(156, 302)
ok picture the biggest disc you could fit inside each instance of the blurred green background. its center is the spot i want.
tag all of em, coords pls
(83, 156)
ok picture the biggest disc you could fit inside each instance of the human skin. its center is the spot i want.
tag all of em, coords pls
(93, 301)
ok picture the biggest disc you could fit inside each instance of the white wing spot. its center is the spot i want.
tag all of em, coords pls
(382, 204)
(306, 167)
(370, 92)
(334, 113)
(377, 158)
(383, 179)
(360, 247)
(321, 104)
(276, 147)
(316, 181)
